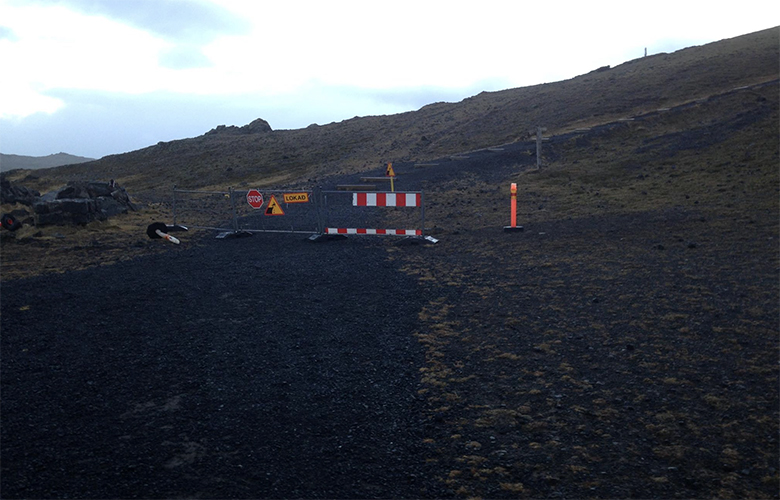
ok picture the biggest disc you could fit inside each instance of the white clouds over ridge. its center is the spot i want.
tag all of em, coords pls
(300, 61)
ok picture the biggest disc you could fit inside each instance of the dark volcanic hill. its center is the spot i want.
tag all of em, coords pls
(265, 157)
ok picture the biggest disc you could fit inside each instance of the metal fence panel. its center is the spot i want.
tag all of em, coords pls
(281, 211)
(202, 209)
(311, 212)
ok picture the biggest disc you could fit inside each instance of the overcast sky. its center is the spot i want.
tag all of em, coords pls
(99, 77)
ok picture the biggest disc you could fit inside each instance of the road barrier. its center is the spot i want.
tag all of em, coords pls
(316, 212)
(387, 199)
(394, 232)
(369, 213)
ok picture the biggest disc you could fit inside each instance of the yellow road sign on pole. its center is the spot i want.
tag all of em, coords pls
(391, 173)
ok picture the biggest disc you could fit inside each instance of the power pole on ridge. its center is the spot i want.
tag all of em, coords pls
(538, 131)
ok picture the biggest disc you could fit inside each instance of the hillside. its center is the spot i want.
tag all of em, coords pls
(11, 162)
(624, 345)
(490, 118)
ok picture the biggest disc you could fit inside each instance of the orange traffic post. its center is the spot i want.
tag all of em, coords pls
(513, 215)
(513, 190)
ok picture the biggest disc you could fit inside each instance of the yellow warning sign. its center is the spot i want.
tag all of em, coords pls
(296, 197)
(390, 172)
(273, 207)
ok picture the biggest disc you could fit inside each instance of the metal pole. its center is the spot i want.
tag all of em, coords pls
(318, 208)
(324, 210)
(422, 211)
(174, 204)
(233, 208)
(539, 147)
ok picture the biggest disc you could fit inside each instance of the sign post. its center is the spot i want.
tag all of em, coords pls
(539, 139)
(513, 227)
(391, 173)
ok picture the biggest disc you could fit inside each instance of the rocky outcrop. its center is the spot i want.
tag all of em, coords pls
(258, 126)
(81, 203)
(11, 194)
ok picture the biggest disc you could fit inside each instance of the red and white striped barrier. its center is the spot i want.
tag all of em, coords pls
(391, 232)
(386, 199)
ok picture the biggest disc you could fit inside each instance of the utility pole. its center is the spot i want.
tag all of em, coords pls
(539, 130)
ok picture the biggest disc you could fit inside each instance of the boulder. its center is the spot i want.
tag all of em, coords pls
(98, 189)
(74, 190)
(257, 126)
(81, 203)
(16, 194)
(77, 203)
(109, 207)
(80, 189)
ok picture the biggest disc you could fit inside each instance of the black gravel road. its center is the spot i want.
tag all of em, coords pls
(257, 367)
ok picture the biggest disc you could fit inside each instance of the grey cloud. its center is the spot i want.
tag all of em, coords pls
(184, 57)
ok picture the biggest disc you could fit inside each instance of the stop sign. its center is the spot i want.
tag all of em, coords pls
(254, 198)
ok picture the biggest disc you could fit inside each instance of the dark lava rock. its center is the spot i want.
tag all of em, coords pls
(10, 193)
(81, 203)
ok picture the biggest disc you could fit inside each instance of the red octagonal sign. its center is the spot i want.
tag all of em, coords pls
(254, 198)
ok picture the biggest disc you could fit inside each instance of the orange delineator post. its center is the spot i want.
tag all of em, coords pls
(513, 215)
(513, 190)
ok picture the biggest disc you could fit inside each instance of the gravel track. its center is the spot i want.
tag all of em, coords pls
(227, 370)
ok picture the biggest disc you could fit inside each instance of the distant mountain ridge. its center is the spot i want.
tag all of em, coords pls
(11, 162)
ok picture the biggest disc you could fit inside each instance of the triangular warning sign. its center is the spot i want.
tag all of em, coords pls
(273, 207)
(389, 172)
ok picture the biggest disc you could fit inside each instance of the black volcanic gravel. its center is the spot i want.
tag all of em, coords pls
(258, 367)
(255, 367)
